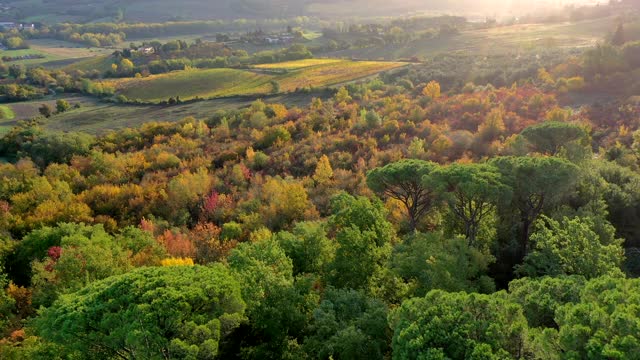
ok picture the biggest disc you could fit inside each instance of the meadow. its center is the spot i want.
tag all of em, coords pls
(54, 51)
(216, 83)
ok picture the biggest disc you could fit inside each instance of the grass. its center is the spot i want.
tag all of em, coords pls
(216, 83)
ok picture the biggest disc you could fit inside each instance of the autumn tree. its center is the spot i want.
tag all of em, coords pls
(324, 172)
(432, 90)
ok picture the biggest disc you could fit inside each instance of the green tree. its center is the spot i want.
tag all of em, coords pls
(473, 192)
(17, 71)
(537, 183)
(62, 106)
(308, 247)
(432, 261)
(604, 324)
(459, 326)
(550, 137)
(168, 312)
(541, 297)
(363, 236)
(348, 325)
(403, 181)
(79, 260)
(277, 306)
(573, 247)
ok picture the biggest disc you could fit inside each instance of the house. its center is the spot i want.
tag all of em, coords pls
(7, 26)
(148, 50)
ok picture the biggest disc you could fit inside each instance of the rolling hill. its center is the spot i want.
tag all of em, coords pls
(51, 11)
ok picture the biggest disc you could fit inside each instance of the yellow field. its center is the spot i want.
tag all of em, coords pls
(298, 64)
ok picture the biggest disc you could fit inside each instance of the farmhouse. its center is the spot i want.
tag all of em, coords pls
(7, 26)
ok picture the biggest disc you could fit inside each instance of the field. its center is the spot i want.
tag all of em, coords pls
(299, 64)
(95, 117)
(216, 83)
(54, 51)
(189, 84)
(499, 40)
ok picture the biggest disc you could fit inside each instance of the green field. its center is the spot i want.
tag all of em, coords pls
(54, 50)
(216, 83)
(189, 84)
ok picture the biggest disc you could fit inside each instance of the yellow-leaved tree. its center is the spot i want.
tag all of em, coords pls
(432, 90)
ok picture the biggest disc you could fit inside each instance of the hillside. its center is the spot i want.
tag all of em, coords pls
(213, 83)
(51, 11)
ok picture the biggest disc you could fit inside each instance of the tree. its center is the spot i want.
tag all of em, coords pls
(62, 106)
(308, 247)
(604, 323)
(275, 87)
(537, 183)
(459, 326)
(432, 261)
(474, 191)
(17, 71)
(161, 312)
(323, 173)
(285, 201)
(432, 90)
(348, 325)
(363, 236)
(618, 38)
(45, 110)
(572, 247)
(550, 137)
(541, 297)
(277, 305)
(403, 181)
(16, 42)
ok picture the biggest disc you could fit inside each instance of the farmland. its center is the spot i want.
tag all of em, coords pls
(53, 50)
(216, 83)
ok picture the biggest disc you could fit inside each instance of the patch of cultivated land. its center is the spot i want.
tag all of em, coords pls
(53, 50)
(95, 117)
(189, 84)
(216, 83)
(298, 64)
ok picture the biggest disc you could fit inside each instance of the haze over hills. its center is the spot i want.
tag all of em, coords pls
(51, 11)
